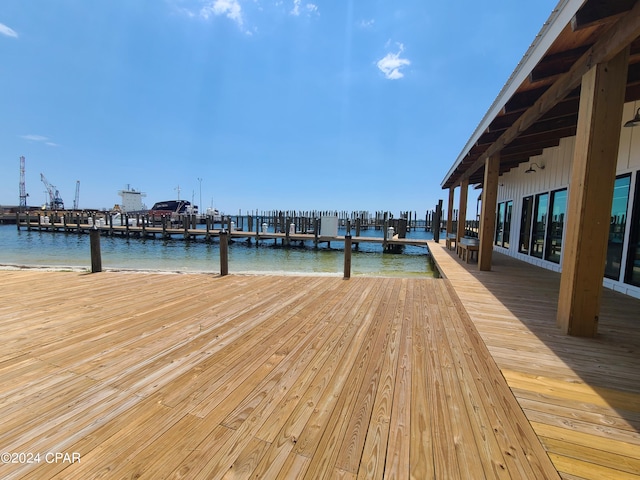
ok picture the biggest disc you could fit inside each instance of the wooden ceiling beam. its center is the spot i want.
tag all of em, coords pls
(569, 106)
(598, 12)
(541, 127)
(522, 100)
(541, 143)
(618, 36)
(556, 64)
(546, 127)
(623, 33)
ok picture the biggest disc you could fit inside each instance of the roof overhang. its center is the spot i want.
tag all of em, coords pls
(538, 105)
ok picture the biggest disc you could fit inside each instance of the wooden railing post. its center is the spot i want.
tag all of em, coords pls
(224, 253)
(96, 256)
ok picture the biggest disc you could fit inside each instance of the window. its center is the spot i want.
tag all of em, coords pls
(556, 226)
(525, 225)
(542, 224)
(632, 275)
(617, 226)
(507, 224)
(539, 225)
(503, 224)
(499, 224)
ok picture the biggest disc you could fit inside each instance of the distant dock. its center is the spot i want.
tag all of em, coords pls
(299, 230)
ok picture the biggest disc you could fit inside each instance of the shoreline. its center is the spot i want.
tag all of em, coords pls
(278, 273)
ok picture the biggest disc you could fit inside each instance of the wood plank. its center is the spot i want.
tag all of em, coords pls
(374, 454)
(421, 448)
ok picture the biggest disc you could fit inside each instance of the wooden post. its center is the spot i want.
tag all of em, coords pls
(347, 256)
(450, 211)
(593, 174)
(286, 231)
(436, 221)
(462, 209)
(96, 256)
(488, 215)
(224, 253)
(316, 228)
(385, 228)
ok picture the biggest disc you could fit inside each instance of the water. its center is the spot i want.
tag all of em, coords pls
(60, 250)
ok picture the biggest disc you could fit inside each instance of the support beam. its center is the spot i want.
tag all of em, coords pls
(450, 211)
(462, 209)
(488, 216)
(593, 174)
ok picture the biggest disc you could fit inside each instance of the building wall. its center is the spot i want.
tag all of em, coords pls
(515, 185)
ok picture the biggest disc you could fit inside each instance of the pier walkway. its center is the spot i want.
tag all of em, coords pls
(199, 376)
(195, 233)
(581, 395)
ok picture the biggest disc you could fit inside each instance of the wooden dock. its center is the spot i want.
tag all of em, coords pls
(581, 395)
(200, 376)
(210, 234)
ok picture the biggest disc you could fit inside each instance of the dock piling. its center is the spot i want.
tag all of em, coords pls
(96, 256)
(224, 253)
(347, 256)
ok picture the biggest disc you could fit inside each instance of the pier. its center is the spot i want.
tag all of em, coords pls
(185, 227)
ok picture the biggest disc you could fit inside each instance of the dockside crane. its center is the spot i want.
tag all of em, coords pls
(55, 201)
(76, 200)
(23, 189)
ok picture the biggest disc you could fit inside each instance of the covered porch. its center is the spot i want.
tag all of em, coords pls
(581, 395)
(573, 83)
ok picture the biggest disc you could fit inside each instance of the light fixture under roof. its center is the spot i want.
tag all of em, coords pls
(635, 121)
(533, 170)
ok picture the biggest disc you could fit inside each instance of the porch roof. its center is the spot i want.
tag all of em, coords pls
(539, 103)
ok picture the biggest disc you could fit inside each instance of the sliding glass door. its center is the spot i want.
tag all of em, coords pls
(539, 225)
(617, 227)
(556, 226)
(632, 275)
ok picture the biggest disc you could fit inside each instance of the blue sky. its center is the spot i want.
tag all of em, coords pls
(283, 104)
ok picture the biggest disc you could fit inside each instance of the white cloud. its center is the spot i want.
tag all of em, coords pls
(230, 8)
(391, 64)
(9, 32)
(310, 8)
(39, 138)
(366, 23)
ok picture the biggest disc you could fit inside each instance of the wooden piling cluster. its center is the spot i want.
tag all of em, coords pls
(276, 220)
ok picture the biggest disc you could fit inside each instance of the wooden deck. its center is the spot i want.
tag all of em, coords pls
(199, 376)
(582, 396)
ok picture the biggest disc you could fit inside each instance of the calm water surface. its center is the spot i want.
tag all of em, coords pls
(62, 250)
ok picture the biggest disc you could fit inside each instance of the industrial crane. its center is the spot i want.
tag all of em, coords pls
(76, 200)
(55, 201)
